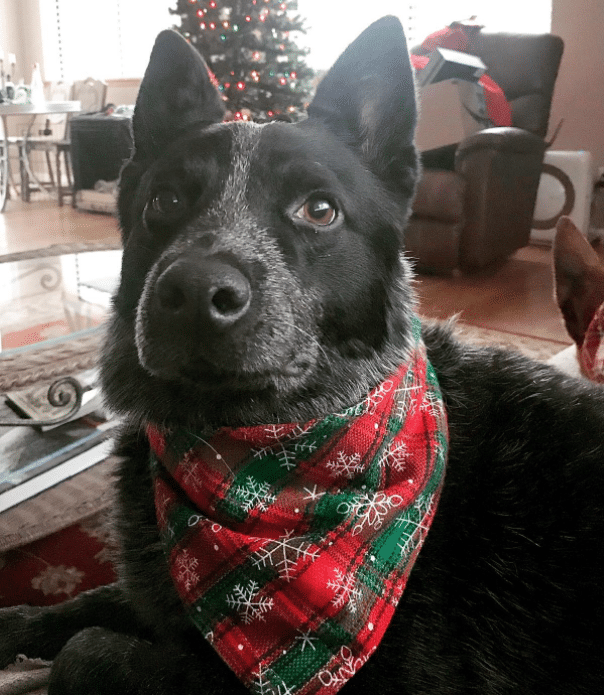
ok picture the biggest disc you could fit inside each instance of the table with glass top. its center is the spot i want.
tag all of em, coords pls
(53, 305)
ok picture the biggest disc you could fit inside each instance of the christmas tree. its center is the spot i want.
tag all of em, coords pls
(248, 46)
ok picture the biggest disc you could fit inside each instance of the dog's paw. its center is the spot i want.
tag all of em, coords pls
(99, 661)
(77, 669)
(14, 623)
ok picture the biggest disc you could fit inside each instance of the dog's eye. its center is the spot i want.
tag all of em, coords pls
(166, 202)
(318, 211)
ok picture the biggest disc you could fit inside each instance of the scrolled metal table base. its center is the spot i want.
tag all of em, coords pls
(60, 393)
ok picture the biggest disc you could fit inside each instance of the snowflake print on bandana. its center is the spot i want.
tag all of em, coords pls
(286, 447)
(395, 457)
(255, 494)
(346, 592)
(290, 544)
(371, 509)
(265, 682)
(250, 607)
(414, 523)
(284, 554)
(185, 569)
(347, 464)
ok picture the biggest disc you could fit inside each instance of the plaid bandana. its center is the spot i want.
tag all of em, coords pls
(591, 352)
(291, 544)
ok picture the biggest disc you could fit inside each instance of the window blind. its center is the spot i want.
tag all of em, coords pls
(113, 39)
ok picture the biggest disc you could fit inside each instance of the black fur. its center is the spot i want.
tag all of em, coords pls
(235, 310)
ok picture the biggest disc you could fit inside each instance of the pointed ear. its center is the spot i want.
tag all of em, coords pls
(579, 276)
(176, 92)
(368, 100)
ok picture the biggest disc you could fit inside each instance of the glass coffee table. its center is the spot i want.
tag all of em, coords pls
(53, 304)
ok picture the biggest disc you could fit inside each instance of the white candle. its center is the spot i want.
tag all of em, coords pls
(12, 59)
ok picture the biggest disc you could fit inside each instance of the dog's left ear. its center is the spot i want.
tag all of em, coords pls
(176, 92)
(368, 100)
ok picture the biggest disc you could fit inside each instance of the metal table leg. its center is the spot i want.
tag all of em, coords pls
(4, 164)
(25, 163)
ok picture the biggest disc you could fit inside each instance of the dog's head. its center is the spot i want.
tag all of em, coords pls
(262, 276)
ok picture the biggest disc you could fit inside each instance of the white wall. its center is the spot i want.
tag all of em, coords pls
(10, 28)
(20, 33)
(579, 95)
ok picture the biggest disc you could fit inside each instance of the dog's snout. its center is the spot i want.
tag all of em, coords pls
(206, 292)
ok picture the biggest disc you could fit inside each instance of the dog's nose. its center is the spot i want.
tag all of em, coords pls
(204, 291)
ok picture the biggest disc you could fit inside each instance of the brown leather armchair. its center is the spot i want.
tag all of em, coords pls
(480, 211)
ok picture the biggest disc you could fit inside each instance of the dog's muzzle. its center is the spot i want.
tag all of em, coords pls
(206, 317)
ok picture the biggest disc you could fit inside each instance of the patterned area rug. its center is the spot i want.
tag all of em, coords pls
(536, 348)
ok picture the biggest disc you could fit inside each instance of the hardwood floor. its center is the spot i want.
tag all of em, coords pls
(517, 298)
(42, 222)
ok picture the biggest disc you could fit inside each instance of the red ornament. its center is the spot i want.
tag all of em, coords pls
(212, 25)
(282, 81)
(248, 18)
(293, 74)
(241, 85)
(200, 13)
(212, 4)
(202, 25)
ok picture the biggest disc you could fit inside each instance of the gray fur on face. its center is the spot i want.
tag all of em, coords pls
(280, 337)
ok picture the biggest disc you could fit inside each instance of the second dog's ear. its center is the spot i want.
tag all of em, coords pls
(176, 92)
(579, 276)
(368, 100)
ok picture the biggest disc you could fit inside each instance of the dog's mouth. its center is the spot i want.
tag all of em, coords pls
(203, 375)
(228, 364)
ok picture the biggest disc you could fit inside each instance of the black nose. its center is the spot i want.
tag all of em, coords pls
(202, 291)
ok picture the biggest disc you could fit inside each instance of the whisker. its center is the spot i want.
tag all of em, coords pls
(216, 452)
(313, 339)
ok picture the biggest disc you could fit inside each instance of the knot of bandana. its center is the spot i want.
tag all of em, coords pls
(591, 352)
(291, 544)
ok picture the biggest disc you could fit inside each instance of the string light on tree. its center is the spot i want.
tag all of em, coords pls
(249, 46)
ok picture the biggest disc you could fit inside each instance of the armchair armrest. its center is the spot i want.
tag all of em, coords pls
(511, 140)
(501, 168)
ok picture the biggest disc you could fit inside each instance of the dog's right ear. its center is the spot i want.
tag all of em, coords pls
(176, 92)
(368, 100)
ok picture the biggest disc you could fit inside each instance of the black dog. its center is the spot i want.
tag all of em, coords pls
(263, 282)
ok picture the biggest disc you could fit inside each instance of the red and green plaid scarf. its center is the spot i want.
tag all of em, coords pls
(591, 351)
(291, 544)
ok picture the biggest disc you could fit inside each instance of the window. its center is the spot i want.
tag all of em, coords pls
(114, 38)
(333, 25)
(109, 39)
